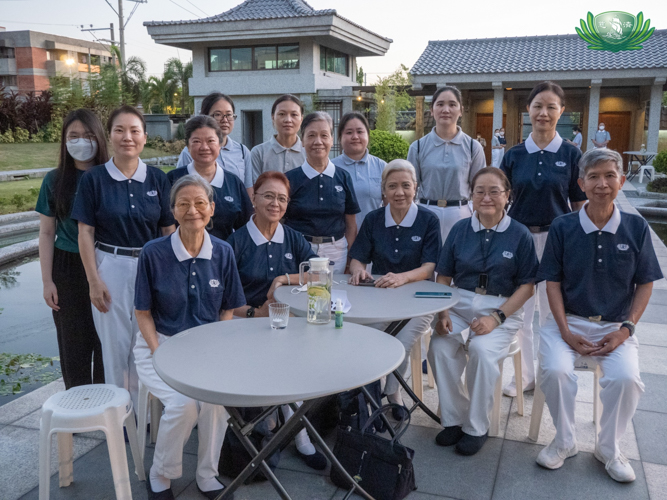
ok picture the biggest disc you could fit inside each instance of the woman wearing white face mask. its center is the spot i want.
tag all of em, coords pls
(496, 149)
(65, 286)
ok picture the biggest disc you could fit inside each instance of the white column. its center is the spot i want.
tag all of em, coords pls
(654, 115)
(593, 112)
(497, 104)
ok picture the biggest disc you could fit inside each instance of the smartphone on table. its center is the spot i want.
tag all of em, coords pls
(433, 295)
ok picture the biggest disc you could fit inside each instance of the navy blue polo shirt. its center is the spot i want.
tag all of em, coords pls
(259, 260)
(598, 269)
(182, 291)
(319, 201)
(543, 180)
(397, 248)
(124, 212)
(511, 259)
(233, 207)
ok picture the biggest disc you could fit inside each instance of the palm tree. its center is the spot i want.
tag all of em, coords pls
(134, 78)
(161, 91)
(181, 73)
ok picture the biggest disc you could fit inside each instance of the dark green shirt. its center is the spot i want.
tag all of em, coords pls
(67, 230)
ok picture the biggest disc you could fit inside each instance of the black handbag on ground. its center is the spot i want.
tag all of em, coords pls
(381, 466)
(353, 408)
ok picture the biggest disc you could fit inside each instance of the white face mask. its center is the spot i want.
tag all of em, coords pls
(82, 149)
(601, 127)
(496, 134)
(502, 134)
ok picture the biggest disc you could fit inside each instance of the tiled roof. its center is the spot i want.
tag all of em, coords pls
(534, 53)
(256, 10)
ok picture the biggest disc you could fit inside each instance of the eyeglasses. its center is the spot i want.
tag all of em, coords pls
(494, 193)
(270, 197)
(184, 206)
(220, 117)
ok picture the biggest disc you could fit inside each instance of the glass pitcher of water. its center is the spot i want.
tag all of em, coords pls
(320, 276)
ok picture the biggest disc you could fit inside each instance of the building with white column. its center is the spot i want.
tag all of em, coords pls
(624, 89)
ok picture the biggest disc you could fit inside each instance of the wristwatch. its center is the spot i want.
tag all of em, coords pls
(501, 315)
(630, 326)
(250, 313)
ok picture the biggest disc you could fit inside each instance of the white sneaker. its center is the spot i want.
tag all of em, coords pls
(510, 389)
(619, 468)
(552, 457)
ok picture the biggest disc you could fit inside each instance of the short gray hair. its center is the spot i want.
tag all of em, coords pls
(594, 157)
(317, 116)
(398, 166)
(190, 180)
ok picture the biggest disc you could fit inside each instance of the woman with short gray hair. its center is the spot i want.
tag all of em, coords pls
(402, 240)
(232, 204)
(596, 156)
(184, 280)
(323, 202)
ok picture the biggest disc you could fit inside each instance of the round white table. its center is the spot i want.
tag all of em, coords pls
(377, 305)
(245, 363)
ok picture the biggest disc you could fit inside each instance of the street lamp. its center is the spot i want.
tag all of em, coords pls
(70, 63)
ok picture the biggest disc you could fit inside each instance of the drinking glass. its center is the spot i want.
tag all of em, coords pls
(278, 315)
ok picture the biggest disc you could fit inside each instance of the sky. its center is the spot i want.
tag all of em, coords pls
(411, 24)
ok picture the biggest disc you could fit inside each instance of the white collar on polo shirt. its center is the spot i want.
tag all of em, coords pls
(311, 173)
(502, 225)
(610, 227)
(117, 175)
(182, 254)
(258, 237)
(553, 146)
(218, 178)
(407, 221)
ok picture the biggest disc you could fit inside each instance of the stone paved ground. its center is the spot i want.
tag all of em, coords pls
(504, 469)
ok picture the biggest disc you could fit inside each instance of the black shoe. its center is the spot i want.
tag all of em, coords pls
(315, 461)
(449, 436)
(469, 445)
(212, 495)
(399, 413)
(163, 495)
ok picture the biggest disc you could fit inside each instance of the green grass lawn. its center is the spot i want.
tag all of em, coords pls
(42, 155)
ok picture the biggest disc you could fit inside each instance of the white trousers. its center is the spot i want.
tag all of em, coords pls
(448, 216)
(525, 333)
(411, 333)
(181, 413)
(116, 327)
(469, 404)
(335, 252)
(496, 157)
(621, 385)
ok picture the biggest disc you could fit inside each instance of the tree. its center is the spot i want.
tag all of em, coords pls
(134, 79)
(391, 96)
(181, 73)
(360, 76)
(161, 92)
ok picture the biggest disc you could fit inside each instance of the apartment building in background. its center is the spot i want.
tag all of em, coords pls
(29, 58)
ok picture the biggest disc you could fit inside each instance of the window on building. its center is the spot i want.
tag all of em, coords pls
(334, 61)
(8, 81)
(7, 53)
(254, 58)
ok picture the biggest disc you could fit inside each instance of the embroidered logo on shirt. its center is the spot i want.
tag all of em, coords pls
(623, 247)
(560, 163)
(288, 256)
(229, 199)
(339, 188)
(152, 193)
(416, 238)
(508, 255)
(214, 283)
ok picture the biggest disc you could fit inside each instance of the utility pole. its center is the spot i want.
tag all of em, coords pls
(121, 29)
(113, 42)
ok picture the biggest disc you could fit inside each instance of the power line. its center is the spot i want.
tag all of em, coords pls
(179, 5)
(32, 22)
(196, 7)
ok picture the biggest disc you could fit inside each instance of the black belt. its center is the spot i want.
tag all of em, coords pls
(443, 203)
(318, 240)
(538, 229)
(125, 252)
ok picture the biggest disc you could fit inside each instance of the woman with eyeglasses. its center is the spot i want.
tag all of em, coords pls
(268, 255)
(234, 157)
(232, 204)
(491, 259)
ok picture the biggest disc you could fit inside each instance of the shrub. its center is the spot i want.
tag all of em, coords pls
(387, 146)
(660, 162)
(180, 132)
(21, 135)
(657, 185)
(19, 200)
(7, 137)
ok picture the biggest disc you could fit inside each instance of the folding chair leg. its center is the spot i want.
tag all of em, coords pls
(494, 428)
(536, 415)
(518, 377)
(416, 369)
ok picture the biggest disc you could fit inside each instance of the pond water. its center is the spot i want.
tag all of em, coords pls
(26, 324)
(660, 228)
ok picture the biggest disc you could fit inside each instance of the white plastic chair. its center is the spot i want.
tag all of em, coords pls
(584, 363)
(146, 399)
(416, 366)
(515, 353)
(643, 169)
(84, 409)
